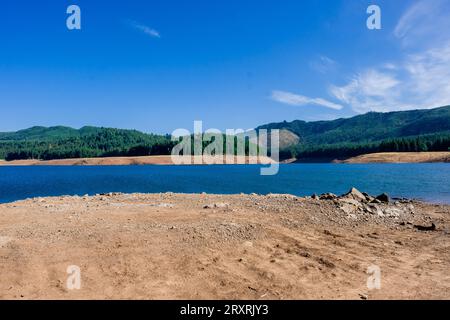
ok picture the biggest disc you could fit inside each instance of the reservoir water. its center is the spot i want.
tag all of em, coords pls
(430, 182)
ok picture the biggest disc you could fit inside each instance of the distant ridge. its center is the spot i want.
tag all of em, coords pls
(372, 126)
(57, 132)
(415, 130)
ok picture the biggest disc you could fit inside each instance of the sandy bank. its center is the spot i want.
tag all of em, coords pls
(177, 246)
(111, 161)
(388, 157)
(400, 157)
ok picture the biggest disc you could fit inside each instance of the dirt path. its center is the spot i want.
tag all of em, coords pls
(175, 246)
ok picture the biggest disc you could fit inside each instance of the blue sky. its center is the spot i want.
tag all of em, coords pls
(157, 66)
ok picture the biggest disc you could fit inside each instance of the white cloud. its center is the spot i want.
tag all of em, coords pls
(420, 81)
(299, 100)
(145, 29)
(424, 22)
(415, 81)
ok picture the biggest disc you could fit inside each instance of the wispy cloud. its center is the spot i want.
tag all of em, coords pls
(419, 81)
(323, 64)
(299, 100)
(424, 22)
(414, 81)
(145, 29)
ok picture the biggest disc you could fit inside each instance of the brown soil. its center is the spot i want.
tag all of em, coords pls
(178, 246)
(400, 157)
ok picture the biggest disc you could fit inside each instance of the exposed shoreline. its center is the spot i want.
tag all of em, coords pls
(389, 157)
(400, 157)
(116, 161)
(201, 246)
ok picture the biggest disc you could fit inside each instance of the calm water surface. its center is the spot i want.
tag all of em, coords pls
(429, 182)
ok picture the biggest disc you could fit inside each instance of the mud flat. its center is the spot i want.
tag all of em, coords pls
(179, 246)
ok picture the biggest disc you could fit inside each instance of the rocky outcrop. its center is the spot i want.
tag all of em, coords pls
(355, 203)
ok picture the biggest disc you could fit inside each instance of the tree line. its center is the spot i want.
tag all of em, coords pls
(105, 143)
(435, 142)
(114, 143)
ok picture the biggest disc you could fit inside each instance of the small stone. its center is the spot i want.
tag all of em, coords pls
(354, 194)
(425, 228)
(327, 196)
(219, 205)
(384, 197)
(248, 244)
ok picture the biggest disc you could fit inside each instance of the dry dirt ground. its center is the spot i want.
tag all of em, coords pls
(178, 246)
(400, 157)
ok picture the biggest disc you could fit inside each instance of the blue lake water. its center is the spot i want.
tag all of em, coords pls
(429, 182)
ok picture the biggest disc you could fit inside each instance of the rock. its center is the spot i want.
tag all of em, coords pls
(327, 196)
(315, 197)
(248, 244)
(425, 228)
(354, 194)
(374, 209)
(216, 205)
(165, 205)
(369, 198)
(348, 208)
(383, 198)
(393, 212)
(353, 202)
(279, 195)
(363, 296)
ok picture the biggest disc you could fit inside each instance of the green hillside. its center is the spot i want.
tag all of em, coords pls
(64, 142)
(369, 127)
(88, 142)
(41, 133)
(416, 130)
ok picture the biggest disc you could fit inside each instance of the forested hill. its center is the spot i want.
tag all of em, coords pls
(88, 142)
(64, 142)
(416, 130)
